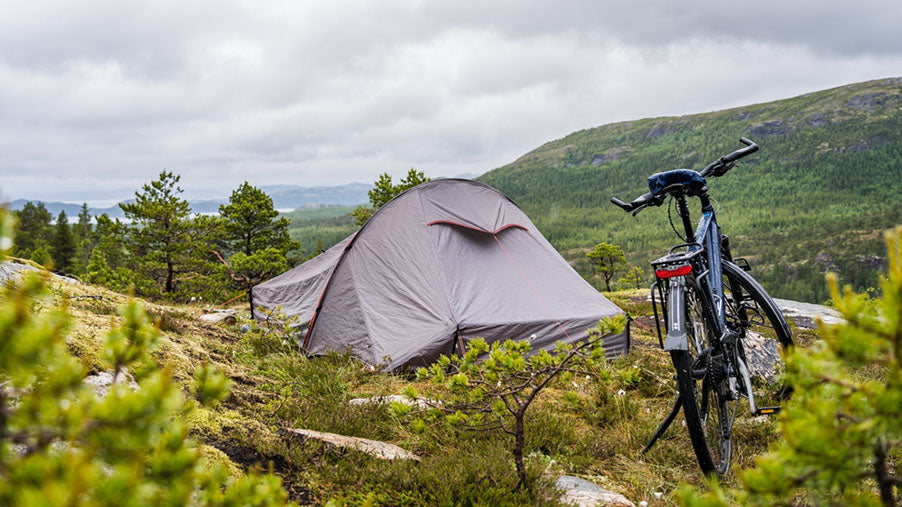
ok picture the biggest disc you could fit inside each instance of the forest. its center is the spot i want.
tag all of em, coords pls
(162, 250)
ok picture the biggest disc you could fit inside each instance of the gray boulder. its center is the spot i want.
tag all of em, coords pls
(375, 448)
(582, 493)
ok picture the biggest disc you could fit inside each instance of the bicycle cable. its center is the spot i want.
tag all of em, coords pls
(670, 218)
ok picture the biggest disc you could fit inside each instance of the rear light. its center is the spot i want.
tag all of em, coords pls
(670, 272)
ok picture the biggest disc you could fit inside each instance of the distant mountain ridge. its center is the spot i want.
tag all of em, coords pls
(285, 197)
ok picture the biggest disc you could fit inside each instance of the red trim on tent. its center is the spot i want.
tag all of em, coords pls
(531, 286)
(479, 229)
(319, 302)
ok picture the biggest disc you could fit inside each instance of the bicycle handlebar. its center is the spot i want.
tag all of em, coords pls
(725, 161)
(716, 168)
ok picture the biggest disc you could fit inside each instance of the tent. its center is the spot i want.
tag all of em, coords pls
(444, 262)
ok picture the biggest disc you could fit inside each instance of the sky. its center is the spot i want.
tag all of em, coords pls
(98, 97)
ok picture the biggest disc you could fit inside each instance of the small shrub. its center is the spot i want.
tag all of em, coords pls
(490, 388)
(274, 333)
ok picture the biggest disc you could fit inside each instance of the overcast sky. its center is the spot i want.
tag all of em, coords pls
(97, 98)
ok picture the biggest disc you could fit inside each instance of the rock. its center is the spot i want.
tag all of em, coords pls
(769, 128)
(245, 328)
(12, 271)
(381, 450)
(388, 399)
(805, 314)
(659, 130)
(610, 155)
(102, 381)
(220, 316)
(818, 120)
(583, 493)
(763, 355)
(867, 101)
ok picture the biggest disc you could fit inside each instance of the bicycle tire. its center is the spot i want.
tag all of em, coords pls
(755, 316)
(743, 294)
(706, 407)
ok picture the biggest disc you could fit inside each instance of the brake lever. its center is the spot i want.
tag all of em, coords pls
(654, 201)
(723, 169)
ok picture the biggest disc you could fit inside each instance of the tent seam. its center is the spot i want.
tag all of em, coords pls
(438, 265)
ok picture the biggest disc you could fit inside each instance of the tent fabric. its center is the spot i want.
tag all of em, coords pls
(444, 259)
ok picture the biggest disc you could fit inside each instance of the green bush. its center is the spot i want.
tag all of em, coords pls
(62, 444)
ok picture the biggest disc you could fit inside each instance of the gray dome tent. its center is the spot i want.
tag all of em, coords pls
(444, 262)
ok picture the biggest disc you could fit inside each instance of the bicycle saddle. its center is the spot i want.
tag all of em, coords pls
(658, 182)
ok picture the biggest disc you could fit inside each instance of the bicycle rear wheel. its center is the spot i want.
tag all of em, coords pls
(707, 406)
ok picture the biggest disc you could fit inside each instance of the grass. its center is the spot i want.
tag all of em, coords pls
(597, 436)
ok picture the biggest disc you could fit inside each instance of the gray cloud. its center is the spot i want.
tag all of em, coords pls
(98, 97)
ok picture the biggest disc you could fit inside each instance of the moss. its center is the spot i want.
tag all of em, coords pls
(214, 456)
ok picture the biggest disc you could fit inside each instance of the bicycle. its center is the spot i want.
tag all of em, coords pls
(714, 311)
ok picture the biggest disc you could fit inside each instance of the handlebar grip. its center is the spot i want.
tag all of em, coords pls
(736, 155)
(621, 204)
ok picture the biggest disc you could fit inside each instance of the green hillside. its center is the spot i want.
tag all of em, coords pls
(325, 225)
(828, 176)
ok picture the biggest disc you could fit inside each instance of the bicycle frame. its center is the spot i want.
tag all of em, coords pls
(705, 255)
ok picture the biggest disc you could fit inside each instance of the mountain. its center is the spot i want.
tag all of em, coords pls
(284, 197)
(71, 209)
(827, 180)
(294, 196)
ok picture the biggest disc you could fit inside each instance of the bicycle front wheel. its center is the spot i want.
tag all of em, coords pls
(762, 336)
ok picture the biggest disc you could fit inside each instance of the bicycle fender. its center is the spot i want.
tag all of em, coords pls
(676, 315)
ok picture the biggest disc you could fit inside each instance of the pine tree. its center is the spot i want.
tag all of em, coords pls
(84, 241)
(98, 270)
(110, 238)
(33, 230)
(632, 278)
(63, 246)
(82, 228)
(255, 235)
(167, 245)
(384, 191)
(252, 223)
(491, 387)
(607, 259)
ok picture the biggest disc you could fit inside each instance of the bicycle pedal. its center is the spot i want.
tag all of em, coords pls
(767, 410)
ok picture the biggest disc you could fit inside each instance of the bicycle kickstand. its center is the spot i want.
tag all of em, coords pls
(664, 425)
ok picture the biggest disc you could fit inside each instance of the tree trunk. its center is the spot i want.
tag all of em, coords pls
(169, 273)
(881, 472)
(519, 440)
